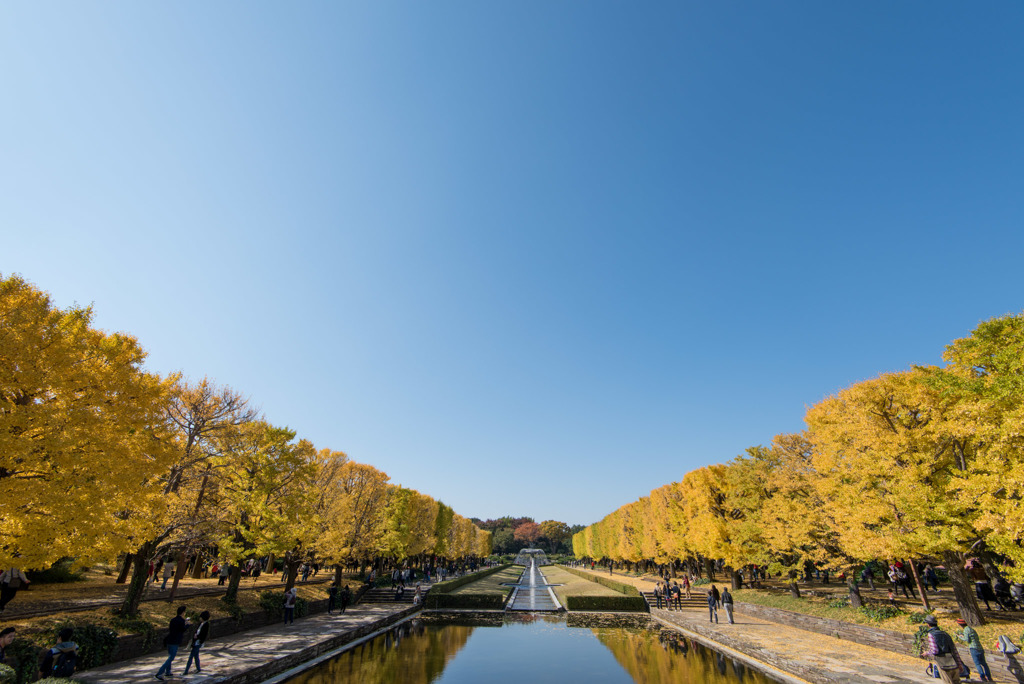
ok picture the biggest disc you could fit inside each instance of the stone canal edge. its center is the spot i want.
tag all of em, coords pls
(781, 651)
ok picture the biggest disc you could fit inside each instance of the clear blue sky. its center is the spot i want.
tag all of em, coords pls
(530, 258)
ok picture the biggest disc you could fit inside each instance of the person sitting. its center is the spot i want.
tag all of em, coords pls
(62, 659)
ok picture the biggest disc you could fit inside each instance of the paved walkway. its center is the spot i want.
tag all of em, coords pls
(255, 654)
(809, 655)
(814, 657)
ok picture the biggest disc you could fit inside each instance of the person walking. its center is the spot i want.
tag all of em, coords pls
(939, 645)
(156, 568)
(727, 604)
(169, 567)
(931, 577)
(198, 639)
(346, 596)
(332, 597)
(222, 574)
(686, 585)
(677, 595)
(712, 606)
(657, 594)
(290, 597)
(868, 575)
(12, 580)
(175, 633)
(970, 637)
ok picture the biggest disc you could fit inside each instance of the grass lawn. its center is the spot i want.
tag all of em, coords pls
(97, 585)
(492, 583)
(574, 585)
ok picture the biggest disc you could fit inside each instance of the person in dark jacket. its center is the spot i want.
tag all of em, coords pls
(62, 659)
(727, 604)
(712, 605)
(332, 597)
(939, 645)
(198, 639)
(346, 598)
(175, 634)
(6, 639)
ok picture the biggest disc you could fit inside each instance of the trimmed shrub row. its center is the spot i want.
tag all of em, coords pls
(627, 589)
(465, 601)
(631, 604)
(446, 586)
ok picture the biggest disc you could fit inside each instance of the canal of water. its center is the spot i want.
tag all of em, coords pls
(529, 649)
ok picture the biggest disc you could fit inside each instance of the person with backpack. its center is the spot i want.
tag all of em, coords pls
(62, 659)
(970, 637)
(198, 639)
(11, 581)
(290, 597)
(657, 594)
(175, 633)
(939, 645)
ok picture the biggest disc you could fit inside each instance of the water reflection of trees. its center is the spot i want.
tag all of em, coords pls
(667, 657)
(423, 655)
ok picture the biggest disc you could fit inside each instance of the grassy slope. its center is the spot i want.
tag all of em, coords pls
(492, 583)
(573, 585)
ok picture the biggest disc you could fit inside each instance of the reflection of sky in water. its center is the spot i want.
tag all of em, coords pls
(532, 650)
(534, 653)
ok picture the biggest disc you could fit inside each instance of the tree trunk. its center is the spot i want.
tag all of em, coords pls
(140, 572)
(794, 589)
(709, 568)
(292, 568)
(337, 574)
(963, 590)
(851, 584)
(179, 572)
(198, 565)
(737, 580)
(917, 581)
(233, 581)
(126, 567)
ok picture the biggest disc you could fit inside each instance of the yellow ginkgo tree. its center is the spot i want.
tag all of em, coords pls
(83, 435)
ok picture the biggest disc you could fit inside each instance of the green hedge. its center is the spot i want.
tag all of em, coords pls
(465, 601)
(449, 585)
(627, 589)
(631, 604)
(272, 602)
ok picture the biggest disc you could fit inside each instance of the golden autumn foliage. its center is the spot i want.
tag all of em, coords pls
(99, 458)
(923, 464)
(83, 437)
